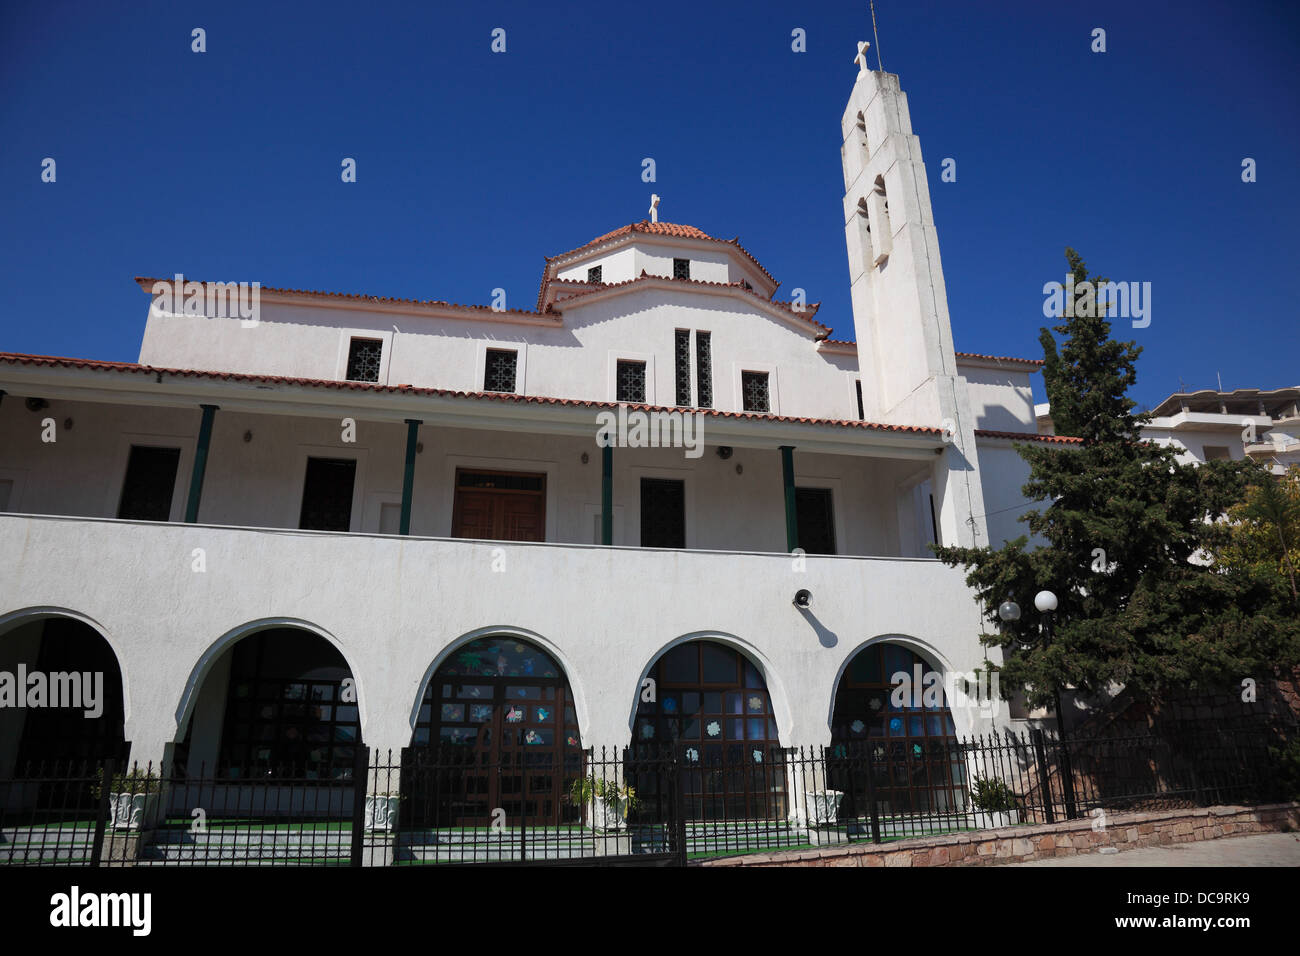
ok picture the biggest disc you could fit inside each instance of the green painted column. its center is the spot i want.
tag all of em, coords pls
(791, 516)
(607, 494)
(408, 476)
(200, 464)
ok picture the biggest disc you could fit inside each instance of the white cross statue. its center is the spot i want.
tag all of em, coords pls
(861, 58)
(654, 207)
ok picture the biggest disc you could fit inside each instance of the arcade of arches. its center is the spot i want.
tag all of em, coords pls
(501, 710)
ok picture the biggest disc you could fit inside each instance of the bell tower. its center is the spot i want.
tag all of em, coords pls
(900, 305)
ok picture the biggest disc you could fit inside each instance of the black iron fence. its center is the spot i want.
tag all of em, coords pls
(641, 805)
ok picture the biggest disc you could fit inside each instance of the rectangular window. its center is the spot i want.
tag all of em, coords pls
(663, 513)
(681, 268)
(499, 370)
(754, 388)
(1216, 452)
(593, 274)
(327, 494)
(631, 381)
(683, 350)
(862, 414)
(363, 360)
(703, 369)
(816, 517)
(150, 482)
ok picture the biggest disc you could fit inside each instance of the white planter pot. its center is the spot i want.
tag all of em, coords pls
(607, 816)
(381, 812)
(824, 806)
(997, 819)
(134, 811)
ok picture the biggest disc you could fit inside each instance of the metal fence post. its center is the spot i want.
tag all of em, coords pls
(360, 784)
(677, 781)
(108, 770)
(1044, 780)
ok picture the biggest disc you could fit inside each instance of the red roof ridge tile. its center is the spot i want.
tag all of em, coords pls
(675, 230)
(1027, 436)
(365, 297)
(999, 358)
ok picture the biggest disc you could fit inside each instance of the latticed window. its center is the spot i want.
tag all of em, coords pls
(363, 360)
(754, 387)
(703, 370)
(681, 268)
(631, 381)
(593, 274)
(499, 373)
(683, 366)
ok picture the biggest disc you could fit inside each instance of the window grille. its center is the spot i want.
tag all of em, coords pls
(683, 367)
(631, 382)
(754, 387)
(500, 370)
(681, 268)
(363, 360)
(703, 370)
(593, 274)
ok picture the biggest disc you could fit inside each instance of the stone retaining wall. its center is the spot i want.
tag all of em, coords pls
(1123, 831)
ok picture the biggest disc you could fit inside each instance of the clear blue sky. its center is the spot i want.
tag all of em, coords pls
(472, 166)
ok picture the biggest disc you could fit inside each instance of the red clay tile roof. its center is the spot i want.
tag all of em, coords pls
(146, 283)
(999, 358)
(52, 361)
(672, 229)
(1028, 436)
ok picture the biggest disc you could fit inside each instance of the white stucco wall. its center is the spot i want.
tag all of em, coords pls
(1003, 399)
(395, 607)
(575, 361)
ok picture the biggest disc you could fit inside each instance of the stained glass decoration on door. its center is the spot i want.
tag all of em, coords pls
(910, 748)
(712, 701)
(499, 713)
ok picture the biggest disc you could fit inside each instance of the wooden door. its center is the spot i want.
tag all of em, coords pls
(499, 506)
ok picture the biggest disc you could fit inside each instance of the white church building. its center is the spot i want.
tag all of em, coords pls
(282, 536)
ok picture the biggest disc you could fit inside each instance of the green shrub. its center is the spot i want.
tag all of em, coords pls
(134, 782)
(992, 795)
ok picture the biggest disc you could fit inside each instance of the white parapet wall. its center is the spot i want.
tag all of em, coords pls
(397, 607)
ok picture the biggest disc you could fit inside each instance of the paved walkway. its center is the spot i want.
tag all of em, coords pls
(1264, 849)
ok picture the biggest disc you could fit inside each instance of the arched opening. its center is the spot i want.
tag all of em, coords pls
(496, 731)
(902, 730)
(279, 703)
(61, 701)
(711, 703)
